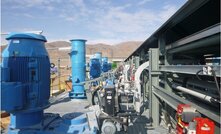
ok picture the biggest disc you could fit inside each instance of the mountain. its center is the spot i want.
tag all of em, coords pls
(124, 49)
(121, 50)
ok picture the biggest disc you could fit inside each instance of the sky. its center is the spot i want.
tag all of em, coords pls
(98, 21)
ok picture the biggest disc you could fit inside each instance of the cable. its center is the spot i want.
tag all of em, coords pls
(217, 85)
(197, 74)
(95, 93)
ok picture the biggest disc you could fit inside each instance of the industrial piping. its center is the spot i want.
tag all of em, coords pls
(138, 85)
(194, 93)
(78, 68)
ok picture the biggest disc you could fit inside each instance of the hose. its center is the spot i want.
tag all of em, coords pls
(93, 96)
(215, 79)
(197, 74)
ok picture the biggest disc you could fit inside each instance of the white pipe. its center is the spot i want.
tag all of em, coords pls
(138, 86)
(191, 92)
(126, 68)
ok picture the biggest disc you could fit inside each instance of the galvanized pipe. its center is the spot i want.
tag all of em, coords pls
(194, 93)
(138, 84)
(199, 83)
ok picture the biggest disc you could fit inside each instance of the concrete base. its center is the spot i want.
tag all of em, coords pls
(64, 116)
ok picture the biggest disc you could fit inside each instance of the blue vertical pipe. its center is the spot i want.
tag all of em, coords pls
(78, 69)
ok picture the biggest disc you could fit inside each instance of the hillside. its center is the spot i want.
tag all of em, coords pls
(121, 50)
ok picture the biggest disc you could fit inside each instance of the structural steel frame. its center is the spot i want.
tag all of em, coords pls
(163, 48)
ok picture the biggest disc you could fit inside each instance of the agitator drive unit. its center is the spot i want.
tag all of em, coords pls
(98, 55)
(25, 79)
(95, 68)
(105, 65)
(25, 88)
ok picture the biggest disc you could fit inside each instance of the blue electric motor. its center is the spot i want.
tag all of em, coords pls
(109, 66)
(105, 65)
(78, 66)
(95, 68)
(25, 79)
(98, 55)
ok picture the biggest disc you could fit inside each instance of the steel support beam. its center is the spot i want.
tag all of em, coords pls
(166, 98)
(210, 31)
(173, 100)
(137, 61)
(192, 69)
(167, 59)
(207, 42)
(154, 80)
(132, 60)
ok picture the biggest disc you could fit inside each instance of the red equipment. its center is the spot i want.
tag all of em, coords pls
(184, 114)
(204, 126)
(190, 122)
